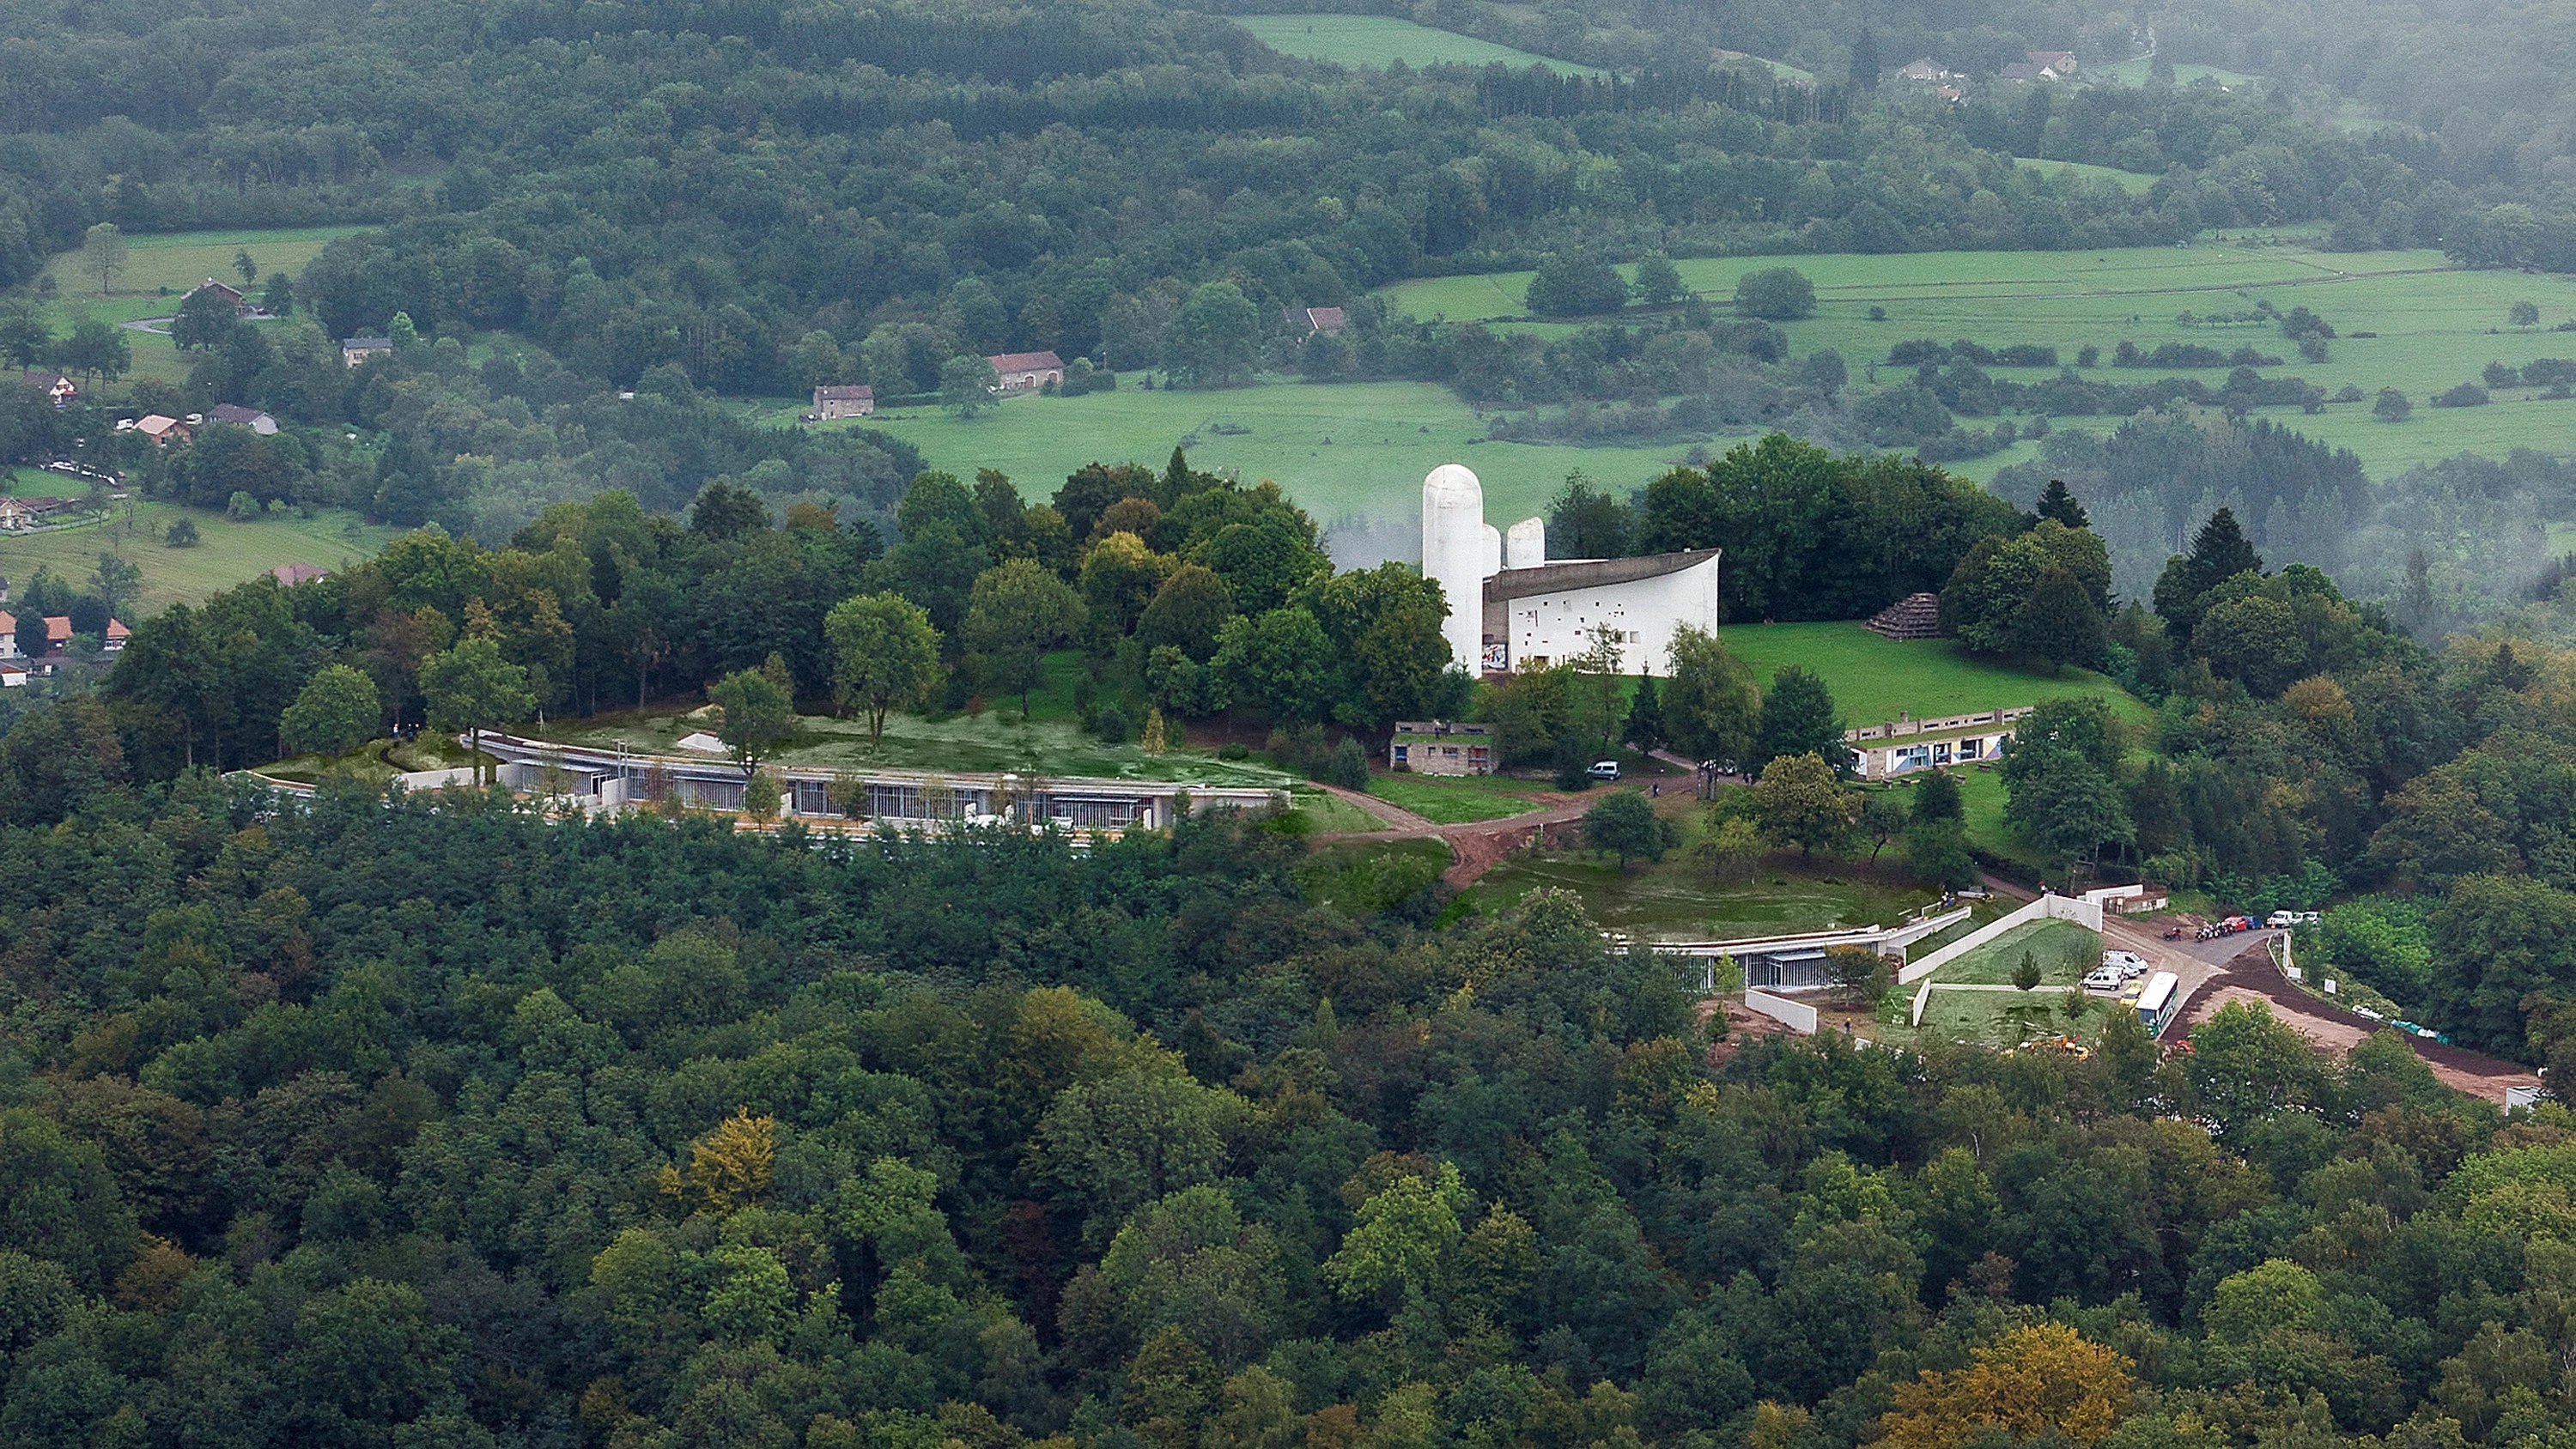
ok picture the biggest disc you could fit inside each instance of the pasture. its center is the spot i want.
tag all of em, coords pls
(2436, 325)
(1379, 40)
(1677, 900)
(1875, 679)
(1353, 455)
(227, 552)
(2133, 72)
(159, 269)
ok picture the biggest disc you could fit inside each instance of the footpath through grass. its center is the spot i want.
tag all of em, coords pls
(1379, 40)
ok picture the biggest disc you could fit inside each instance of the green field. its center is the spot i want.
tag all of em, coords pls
(1379, 40)
(227, 553)
(2133, 182)
(1457, 799)
(2063, 950)
(1677, 901)
(1363, 878)
(2436, 325)
(158, 269)
(1875, 679)
(1352, 451)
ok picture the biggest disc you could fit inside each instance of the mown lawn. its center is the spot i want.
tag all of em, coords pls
(2063, 950)
(1457, 799)
(1379, 40)
(1874, 679)
(227, 552)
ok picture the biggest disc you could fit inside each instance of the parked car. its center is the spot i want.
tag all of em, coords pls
(2129, 964)
(2281, 920)
(2312, 918)
(1604, 770)
(2105, 978)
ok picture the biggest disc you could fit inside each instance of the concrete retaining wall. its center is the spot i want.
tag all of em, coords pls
(1798, 1014)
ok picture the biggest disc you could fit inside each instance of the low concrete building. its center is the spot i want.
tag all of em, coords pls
(606, 780)
(856, 401)
(1879, 751)
(1441, 747)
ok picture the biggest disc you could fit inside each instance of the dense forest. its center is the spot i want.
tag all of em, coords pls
(414, 1124)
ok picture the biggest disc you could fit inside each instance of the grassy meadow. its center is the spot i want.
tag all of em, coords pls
(1875, 679)
(1379, 40)
(1675, 900)
(1347, 452)
(2436, 325)
(227, 552)
(159, 269)
(2062, 950)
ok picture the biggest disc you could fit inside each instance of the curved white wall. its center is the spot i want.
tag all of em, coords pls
(1525, 544)
(1453, 555)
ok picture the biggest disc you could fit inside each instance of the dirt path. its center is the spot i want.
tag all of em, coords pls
(1396, 816)
(2251, 976)
(1475, 846)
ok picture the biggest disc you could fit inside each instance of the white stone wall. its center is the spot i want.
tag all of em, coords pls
(1646, 613)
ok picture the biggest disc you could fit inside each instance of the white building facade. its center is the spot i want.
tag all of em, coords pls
(1512, 608)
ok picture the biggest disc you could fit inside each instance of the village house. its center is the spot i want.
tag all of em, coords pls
(290, 575)
(2060, 61)
(9, 637)
(242, 305)
(60, 390)
(258, 422)
(1026, 371)
(1926, 69)
(163, 430)
(853, 401)
(355, 350)
(58, 636)
(1307, 321)
(1441, 747)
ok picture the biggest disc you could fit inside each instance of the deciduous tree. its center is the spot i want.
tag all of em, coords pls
(885, 654)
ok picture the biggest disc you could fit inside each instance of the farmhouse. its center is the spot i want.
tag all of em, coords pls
(1307, 321)
(1026, 371)
(355, 350)
(2060, 61)
(9, 637)
(242, 306)
(251, 418)
(1539, 611)
(162, 430)
(1926, 69)
(60, 390)
(1905, 744)
(843, 402)
(1441, 747)
(290, 575)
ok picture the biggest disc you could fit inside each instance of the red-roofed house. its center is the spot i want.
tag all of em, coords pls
(289, 575)
(242, 306)
(1027, 371)
(117, 634)
(9, 637)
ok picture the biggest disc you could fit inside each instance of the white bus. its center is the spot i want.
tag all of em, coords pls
(2157, 1002)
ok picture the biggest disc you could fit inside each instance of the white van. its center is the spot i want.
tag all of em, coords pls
(2103, 978)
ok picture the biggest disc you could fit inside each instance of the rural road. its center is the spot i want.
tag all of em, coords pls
(1475, 846)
